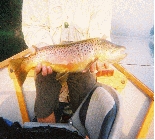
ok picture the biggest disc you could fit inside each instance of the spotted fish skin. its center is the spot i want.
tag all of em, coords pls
(72, 57)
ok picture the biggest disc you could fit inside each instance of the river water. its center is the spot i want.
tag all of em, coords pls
(140, 57)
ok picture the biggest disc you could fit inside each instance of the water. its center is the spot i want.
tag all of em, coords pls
(140, 58)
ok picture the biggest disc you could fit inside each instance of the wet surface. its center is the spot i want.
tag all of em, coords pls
(140, 58)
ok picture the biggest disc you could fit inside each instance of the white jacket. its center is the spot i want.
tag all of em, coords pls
(44, 20)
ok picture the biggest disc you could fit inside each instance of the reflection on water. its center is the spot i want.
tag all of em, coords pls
(140, 58)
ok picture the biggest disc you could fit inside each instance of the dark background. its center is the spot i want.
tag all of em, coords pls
(11, 37)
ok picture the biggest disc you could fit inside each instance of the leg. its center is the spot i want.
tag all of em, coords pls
(49, 119)
(47, 97)
(80, 84)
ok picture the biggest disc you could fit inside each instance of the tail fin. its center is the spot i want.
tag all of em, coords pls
(21, 73)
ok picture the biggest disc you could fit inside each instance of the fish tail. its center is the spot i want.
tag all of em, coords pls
(15, 65)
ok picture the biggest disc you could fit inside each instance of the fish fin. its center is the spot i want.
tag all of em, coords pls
(15, 66)
(62, 77)
(66, 42)
(104, 37)
(33, 50)
(89, 64)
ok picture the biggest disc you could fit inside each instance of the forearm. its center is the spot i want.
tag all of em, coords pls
(35, 24)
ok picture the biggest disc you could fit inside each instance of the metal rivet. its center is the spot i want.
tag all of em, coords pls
(70, 122)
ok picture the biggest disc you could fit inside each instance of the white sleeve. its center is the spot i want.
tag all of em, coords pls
(100, 22)
(35, 22)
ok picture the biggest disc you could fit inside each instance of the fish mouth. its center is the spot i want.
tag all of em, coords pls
(119, 53)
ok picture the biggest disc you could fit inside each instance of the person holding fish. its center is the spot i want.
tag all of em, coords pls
(50, 22)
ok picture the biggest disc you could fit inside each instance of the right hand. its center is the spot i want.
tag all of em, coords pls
(45, 70)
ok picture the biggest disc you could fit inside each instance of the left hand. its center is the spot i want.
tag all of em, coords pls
(101, 69)
(98, 66)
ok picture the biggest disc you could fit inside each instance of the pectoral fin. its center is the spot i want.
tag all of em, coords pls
(62, 77)
(66, 42)
(89, 64)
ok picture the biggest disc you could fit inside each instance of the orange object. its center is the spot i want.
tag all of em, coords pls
(106, 72)
(146, 122)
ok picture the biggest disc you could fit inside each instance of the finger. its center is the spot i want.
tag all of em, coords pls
(38, 68)
(44, 71)
(93, 67)
(49, 70)
(99, 66)
(106, 65)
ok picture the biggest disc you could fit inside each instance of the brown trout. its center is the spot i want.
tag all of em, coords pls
(71, 57)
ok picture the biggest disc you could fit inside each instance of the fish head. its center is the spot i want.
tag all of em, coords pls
(111, 52)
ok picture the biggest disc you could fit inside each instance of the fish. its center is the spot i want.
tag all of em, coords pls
(69, 57)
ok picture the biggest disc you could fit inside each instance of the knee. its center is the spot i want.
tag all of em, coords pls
(49, 119)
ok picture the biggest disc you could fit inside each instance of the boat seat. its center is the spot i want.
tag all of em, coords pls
(98, 116)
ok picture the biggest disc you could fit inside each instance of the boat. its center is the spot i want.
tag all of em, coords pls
(16, 102)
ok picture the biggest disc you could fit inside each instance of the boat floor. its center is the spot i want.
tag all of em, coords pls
(135, 104)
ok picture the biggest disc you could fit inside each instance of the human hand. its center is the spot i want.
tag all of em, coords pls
(98, 66)
(45, 70)
(101, 69)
